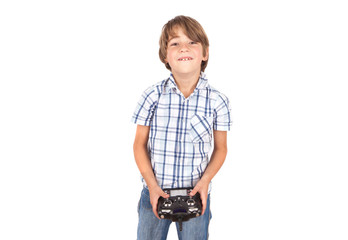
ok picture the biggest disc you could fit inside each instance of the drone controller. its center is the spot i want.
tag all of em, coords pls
(180, 206)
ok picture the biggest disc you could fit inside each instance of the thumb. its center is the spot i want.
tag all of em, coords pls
(164, 195)
(194, 191)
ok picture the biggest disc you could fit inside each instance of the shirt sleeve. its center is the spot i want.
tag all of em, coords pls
(145, 107)
(222, 114)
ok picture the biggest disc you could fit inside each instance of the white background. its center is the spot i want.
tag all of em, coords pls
(72, 71)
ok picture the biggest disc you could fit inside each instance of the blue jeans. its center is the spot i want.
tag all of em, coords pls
(151, 228)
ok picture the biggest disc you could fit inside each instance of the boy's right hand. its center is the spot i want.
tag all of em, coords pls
(155, 193)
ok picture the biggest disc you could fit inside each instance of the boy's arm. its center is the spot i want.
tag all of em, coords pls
(217, 159)
(142, 160)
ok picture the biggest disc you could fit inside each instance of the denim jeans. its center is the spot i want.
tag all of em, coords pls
(151, 228)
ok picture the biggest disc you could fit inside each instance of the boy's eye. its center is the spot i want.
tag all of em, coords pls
(192, 42)
(174, 44)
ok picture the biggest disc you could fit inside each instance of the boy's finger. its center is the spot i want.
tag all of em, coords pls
(164, 195)
(204, 204)
(193, 192)
(203, 209)
(154, 209)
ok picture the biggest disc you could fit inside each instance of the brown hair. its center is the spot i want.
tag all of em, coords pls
(192, 30)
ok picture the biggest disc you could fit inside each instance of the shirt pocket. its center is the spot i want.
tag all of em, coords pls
(201, 128)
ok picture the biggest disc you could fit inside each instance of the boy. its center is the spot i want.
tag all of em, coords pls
(178, 119)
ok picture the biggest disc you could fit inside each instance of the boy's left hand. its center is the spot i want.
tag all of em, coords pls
(202, 188)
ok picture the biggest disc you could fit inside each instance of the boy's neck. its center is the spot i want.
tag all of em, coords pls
(186, 82)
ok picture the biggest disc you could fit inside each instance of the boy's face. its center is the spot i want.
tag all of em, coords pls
(183, 54)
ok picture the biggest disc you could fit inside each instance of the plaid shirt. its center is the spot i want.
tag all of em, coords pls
(181, 130)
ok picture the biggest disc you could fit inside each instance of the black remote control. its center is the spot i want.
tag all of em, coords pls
(180, 206)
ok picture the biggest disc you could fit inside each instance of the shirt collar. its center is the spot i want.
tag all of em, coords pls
(171, 85)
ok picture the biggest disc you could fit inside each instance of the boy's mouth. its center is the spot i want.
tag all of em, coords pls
(185, 59)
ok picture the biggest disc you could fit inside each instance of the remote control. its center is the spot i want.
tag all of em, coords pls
(180, 206)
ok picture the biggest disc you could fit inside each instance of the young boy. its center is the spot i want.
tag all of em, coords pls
(178, 120)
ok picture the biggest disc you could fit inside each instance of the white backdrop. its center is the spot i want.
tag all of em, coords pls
(72, 71)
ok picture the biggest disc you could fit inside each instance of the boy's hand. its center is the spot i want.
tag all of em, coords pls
(202, 188)
(155, 194)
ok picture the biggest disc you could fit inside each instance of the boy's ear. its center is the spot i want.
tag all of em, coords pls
(206, 55)
(166, 63)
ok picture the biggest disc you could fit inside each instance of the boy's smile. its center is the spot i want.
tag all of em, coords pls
(185, 59)
(184, 55)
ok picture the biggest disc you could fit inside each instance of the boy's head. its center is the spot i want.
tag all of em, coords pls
(192, 29)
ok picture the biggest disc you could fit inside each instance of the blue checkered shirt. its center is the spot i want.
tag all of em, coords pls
(181, 130)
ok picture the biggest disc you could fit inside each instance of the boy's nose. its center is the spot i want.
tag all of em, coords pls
(184, 48)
